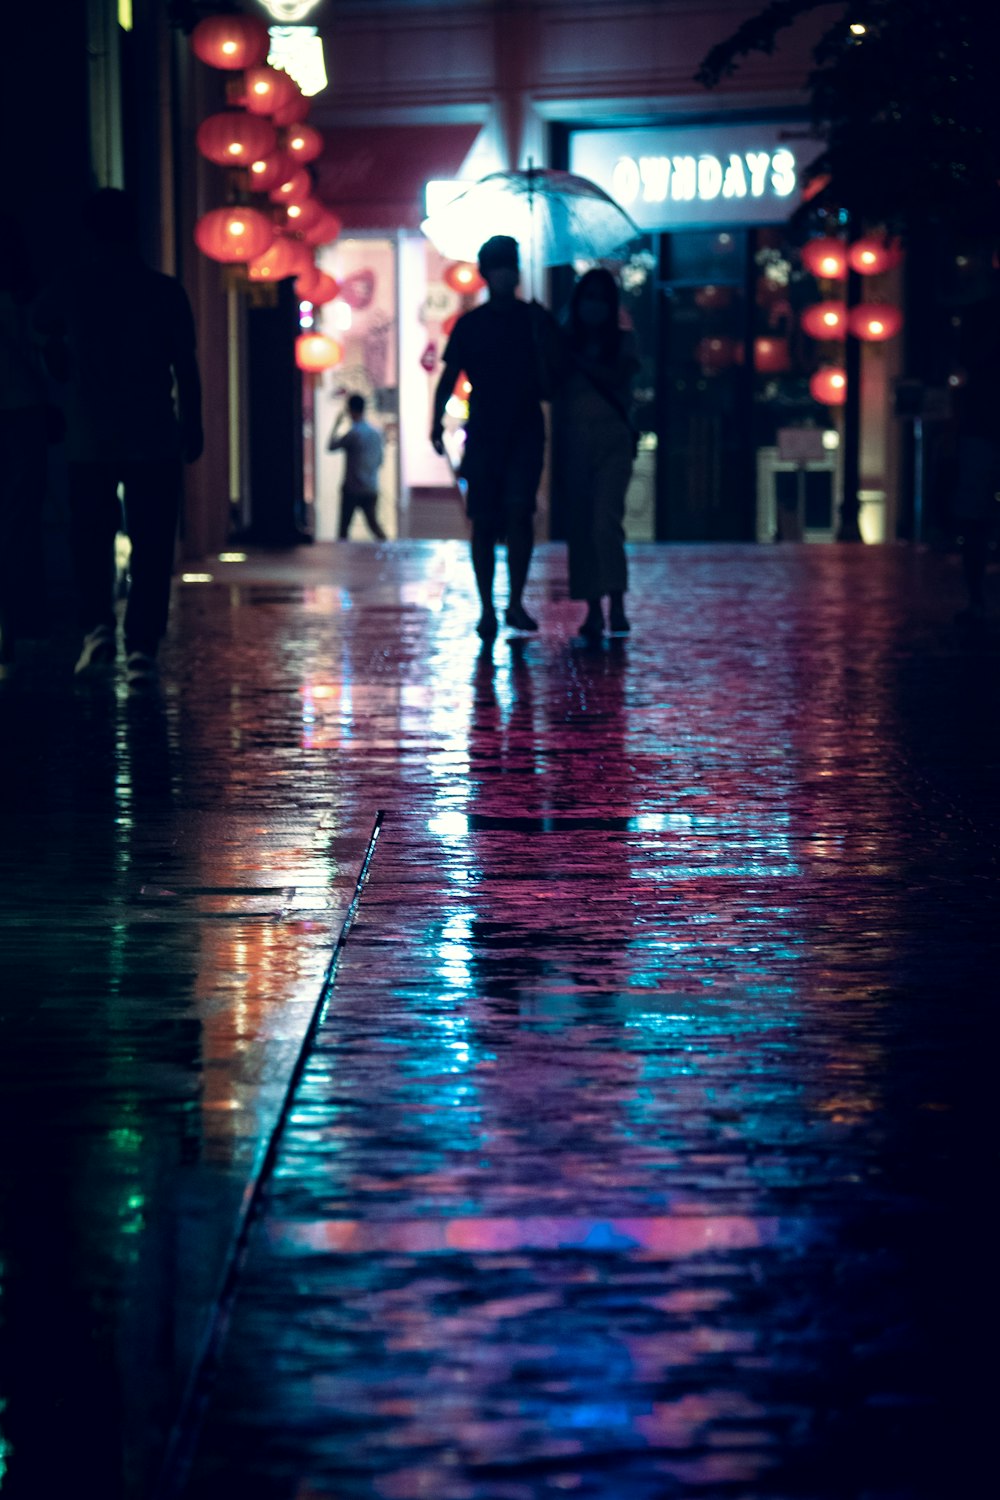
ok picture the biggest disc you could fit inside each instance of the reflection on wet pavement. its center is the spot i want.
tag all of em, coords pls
(647, 1107)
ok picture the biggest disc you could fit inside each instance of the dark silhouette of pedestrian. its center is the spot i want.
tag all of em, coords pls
(596, 450)
(24, 432)
(507, 349)
(363, 451)
(134, 414)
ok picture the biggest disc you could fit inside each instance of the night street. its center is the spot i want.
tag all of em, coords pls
(637, 1006)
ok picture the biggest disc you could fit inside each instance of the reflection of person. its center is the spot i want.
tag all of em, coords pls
(504, 348)
(596, 450)
(22, 445)
(362, 447)
(127, 341)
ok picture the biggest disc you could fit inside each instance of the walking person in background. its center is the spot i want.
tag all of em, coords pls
(597, 449)
(506, 348)
(124, 340)
(363, 452)
(24, 417)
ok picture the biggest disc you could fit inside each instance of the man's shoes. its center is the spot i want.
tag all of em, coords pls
(98, 650)
(140, 669)
(592, 628)
(618, 623)
(517, 618)
(487, 627)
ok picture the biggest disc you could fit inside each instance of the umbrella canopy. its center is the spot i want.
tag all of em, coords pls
(555, 217)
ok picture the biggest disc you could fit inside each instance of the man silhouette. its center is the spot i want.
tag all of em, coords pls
(505, 348)
(124, 339)
(363, 451)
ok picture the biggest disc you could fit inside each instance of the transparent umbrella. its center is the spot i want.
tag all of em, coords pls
(555, 217)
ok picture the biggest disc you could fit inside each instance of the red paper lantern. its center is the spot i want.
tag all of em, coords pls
(873, 322)
(825, 320)
(715, 354)
(280, 261)
(463, 277)
(317, 351)
(230, 42)
(315, 286)
(303, 143)
(294, 187)
(235, 139)
(303, 214)
(234, 234)
(268, 172)
(294, 111)
(825, 258)
(872, 255)
(267, 89)
(829, 386)
(325, 230)
(463, 387)
(771, 356)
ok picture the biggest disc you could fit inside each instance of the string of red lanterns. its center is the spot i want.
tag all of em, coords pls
(263, 138)
(829, 259)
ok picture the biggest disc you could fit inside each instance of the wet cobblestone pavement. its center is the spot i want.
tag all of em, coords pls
(644, 1147)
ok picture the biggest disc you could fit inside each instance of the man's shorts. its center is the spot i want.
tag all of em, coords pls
(503, 471)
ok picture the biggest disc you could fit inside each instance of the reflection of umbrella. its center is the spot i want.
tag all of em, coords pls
(555, 217)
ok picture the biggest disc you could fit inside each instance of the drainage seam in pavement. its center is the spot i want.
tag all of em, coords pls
(184, 1432)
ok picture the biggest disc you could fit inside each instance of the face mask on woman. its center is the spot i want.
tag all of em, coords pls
(592, 312)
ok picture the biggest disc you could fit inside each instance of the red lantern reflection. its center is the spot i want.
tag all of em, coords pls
(269, 172)
(267, 89)
(829, 386)
(233, 235)
(317, 351)
(315, 286)
(825, 258)
(825, 320)
(275, 264)
(464, 278)
(873, 322)
(325, 230)
(771, 356)
(302, 215)
(872, 255)
(235, 139)
(303, 143)
(230, 42)
(294, 187)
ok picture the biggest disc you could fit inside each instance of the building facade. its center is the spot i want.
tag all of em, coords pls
(434, 91)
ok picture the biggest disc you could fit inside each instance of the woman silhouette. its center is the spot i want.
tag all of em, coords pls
(598, 449)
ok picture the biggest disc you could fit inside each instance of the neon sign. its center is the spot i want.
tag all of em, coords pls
(684, 179)
(698, 176)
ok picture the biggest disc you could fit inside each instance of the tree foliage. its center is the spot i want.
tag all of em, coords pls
(907, 103)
